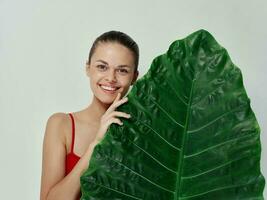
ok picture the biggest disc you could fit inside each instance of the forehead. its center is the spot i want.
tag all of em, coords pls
(113, 53)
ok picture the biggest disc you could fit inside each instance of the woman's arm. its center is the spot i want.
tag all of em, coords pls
(54, 184)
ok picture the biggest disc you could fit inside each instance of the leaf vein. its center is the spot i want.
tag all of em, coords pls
(166, 113)
(140, 175)
(214, 146)
(154, 158)
(109, 188)
(176, 148)
(216, 119)
(218, 167)
(216, 189)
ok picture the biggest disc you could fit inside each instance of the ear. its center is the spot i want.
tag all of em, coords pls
(135, 77)
(87, 69)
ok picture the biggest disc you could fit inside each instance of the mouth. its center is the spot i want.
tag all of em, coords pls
(108, 89)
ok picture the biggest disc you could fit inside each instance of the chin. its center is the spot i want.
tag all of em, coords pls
(106, 99)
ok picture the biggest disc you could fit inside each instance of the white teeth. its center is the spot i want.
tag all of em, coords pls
(108, 88)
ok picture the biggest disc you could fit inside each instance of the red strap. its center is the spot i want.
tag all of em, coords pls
(73, 132)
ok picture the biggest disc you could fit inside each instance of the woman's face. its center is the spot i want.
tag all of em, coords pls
(111, 71)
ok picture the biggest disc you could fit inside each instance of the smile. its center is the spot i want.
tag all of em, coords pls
(108, 89)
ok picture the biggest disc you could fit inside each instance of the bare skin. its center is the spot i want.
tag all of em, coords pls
(91, 123)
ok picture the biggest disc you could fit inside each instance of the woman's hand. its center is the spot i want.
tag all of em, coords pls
(109, 117)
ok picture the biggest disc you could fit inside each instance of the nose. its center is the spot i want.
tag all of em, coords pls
(111, 76)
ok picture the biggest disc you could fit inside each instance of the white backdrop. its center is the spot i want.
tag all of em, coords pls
(44, 45)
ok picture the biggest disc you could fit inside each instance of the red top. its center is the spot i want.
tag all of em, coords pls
(71, 158)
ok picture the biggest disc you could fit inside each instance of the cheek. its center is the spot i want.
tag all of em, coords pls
(126, 85)
(126, 81)
(95, 77)
(94, 80)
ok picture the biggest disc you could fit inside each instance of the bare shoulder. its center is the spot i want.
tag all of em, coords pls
(58, 117)
(56, 125)
(54, 152)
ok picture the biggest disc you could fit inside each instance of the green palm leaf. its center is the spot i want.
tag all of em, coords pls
(192, 134)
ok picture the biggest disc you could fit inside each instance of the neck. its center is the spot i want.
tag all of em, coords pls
(98, 108)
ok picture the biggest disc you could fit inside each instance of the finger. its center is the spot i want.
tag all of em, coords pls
(117, 97)
(114, 105)
(111, 108)
(115, 120)
(118, 103)
(119, 114)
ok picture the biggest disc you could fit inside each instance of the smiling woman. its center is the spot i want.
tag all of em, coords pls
(111, 72)
(70, 138)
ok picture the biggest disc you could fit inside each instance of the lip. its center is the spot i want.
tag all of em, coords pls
(108, 91)
(114, 86)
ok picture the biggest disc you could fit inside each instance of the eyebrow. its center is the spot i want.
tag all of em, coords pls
(120, 66)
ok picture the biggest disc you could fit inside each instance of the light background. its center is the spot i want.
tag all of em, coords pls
(44, 45)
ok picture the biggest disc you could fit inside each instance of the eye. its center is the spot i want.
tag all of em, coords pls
(102, 67)
(123, 71)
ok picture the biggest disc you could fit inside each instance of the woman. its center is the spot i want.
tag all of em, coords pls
(70, 138)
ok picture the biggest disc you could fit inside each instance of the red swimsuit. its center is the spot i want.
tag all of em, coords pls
(71, 158)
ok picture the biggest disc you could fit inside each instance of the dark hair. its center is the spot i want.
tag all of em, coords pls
(121, 38)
